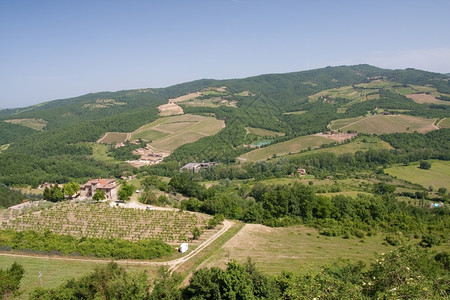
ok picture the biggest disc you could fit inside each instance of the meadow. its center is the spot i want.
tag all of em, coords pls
(359, 144)
(297, 249)
(438, 176)
(379, 124)
(292, 146)
(113, 138)
(33, 123)
(444, 123)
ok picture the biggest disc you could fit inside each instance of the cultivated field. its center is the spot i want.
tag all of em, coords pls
(33, 123)
(425, 98)
(170, 109)
(291, 146)
(167, 134)
(101, 220)
(297, 248)
(359, 144)
(379, 124)
(438, 176)
(114, 138)
(263, 132)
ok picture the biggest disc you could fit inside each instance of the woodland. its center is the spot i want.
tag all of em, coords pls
(268, 192)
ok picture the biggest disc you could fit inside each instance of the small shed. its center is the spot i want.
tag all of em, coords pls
(183, 247)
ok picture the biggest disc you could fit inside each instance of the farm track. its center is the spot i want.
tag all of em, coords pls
(172, 264)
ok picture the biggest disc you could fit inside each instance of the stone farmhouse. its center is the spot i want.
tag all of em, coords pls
(88, 189)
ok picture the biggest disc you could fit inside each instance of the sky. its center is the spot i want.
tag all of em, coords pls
(59, 49)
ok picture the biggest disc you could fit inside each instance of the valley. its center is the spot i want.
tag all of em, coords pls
(302, 173)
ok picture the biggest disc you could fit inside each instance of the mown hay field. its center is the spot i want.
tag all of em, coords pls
(296, 249)
(359, 144)
(425, 98)
(113, 138)
(379, 124)
(438, 176)
(292, 146)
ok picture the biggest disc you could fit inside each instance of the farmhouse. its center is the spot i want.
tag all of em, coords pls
(195, 167)
(107, 185)
(301, 171)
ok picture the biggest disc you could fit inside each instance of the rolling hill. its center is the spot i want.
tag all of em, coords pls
(68, 128)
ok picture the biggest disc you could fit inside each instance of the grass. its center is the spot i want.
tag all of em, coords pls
(55, 272)
(196, 261)
(113, 138)
(263, 132)
(295, 112)
(438, 176)
(337, 124)
(359, 144)
(379, 124)
(291, 146)
(149, 134)
(4, 147)
(33, 123)
(100, 153)
(445, 123)
(297, 249)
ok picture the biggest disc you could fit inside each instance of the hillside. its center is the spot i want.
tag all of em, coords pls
(66, 129)
(341, 173)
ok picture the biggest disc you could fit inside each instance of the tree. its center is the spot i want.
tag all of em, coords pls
(426, 165)
(125, 191)
(99, 195)
(71, 188)
(56, 194)
(10, 280)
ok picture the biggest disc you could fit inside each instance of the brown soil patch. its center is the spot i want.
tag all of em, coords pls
(425, 98)
(170, 109)
(185, 97)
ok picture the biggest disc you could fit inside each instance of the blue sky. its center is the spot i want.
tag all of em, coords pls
(59, 49)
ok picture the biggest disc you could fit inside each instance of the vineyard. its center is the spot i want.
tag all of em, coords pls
(102, 221)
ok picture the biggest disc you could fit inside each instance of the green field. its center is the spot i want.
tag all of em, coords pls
(438, 176)
(148, 134)
(113, 138)
(291, 146)
(33, 123)
(445, 123)
(297, 249)
(359, 144)
(56, 271)
(379, 124)
(263, 132)
(337, 124)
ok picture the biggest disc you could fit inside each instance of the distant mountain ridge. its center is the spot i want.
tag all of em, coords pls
(294, 104)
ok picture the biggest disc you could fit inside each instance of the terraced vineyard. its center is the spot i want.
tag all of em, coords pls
(101, 220)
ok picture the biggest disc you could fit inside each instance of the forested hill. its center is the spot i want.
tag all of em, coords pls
(59, 147)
